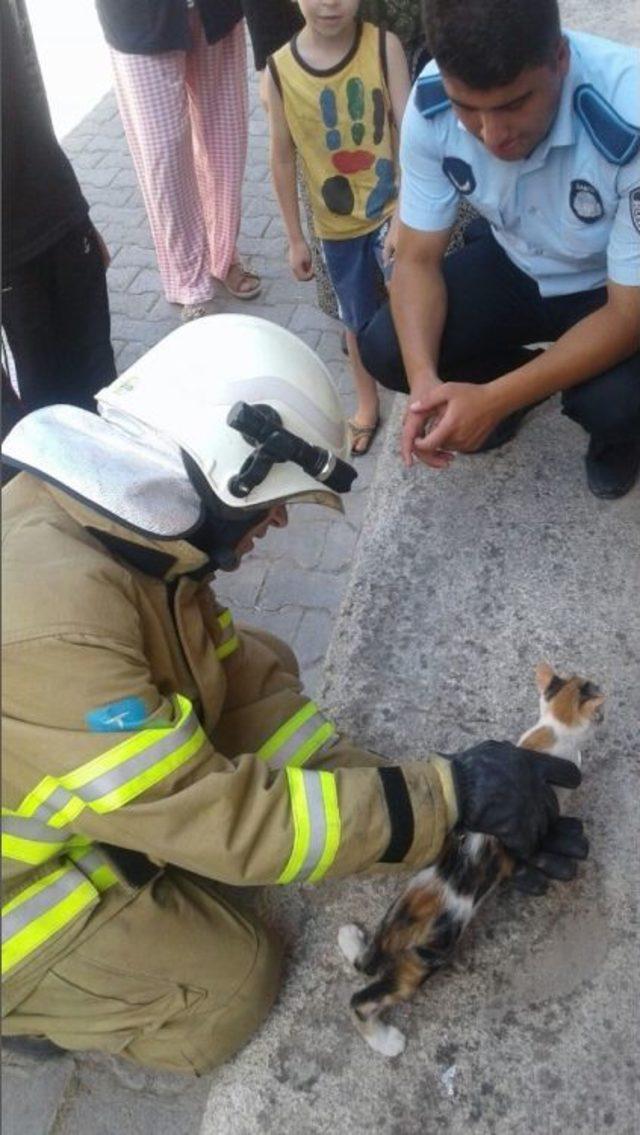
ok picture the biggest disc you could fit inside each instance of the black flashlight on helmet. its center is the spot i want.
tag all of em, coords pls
(261, 427)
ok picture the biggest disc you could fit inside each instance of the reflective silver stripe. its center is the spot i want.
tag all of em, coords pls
(317, 824)
(90, 861)
(55, 802)
(28, 828)
(58, 799)
(121, 774)
(289, 748)
(32, 908)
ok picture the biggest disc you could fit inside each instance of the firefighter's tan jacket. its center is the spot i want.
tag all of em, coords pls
(137, 716)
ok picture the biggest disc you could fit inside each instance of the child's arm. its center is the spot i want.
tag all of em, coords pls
(283, 172)
(398, 80)
(399, 85)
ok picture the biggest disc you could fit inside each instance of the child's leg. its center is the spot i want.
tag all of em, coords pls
(368, 407)
(353, 271)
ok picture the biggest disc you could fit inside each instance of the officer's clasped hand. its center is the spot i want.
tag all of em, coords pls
(505, 791)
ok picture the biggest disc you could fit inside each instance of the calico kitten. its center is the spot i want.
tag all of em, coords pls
(420, 930)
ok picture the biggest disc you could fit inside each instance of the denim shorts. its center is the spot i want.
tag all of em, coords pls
(354, 267)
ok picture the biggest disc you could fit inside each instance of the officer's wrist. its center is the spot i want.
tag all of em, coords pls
(503, 395)
(422, 383)
(514, 390)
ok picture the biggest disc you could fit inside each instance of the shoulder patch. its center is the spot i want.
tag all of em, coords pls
(617, 140)
(430, 96)
(460, 175)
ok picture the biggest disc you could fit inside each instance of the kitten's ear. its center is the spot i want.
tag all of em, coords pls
(592, 705)
(544, 676)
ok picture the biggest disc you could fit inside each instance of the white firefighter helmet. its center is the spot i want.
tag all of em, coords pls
(180, 395)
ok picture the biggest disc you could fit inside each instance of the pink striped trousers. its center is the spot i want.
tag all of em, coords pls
(185, 118)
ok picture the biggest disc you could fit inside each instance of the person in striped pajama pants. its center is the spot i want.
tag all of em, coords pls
(180, 78)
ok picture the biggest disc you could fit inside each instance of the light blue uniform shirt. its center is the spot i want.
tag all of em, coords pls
(569, 214)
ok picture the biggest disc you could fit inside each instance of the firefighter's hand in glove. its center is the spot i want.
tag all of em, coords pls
(564, 843)
(505, 791)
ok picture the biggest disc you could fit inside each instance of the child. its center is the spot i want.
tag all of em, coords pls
(335, 93)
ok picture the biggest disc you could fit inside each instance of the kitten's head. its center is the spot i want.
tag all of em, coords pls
(572, 701)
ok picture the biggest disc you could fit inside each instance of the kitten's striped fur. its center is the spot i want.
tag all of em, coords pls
(420, 930)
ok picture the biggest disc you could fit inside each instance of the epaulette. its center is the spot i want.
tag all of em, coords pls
(430, 96)
(618, 141)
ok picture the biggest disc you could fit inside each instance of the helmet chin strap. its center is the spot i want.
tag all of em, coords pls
(219, 539)
(218, 535)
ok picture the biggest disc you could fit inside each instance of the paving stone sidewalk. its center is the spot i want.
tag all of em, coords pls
(292, 585)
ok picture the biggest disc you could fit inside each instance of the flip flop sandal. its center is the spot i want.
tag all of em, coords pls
(359, 434)
(243, 273)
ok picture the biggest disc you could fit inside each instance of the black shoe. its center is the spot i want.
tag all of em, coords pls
(504, 431)
(38, 1047)
(612, 468)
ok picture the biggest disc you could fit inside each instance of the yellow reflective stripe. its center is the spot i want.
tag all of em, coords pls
(103, 878)
(312, 744)
(53, 804)
(230, 640)
(334, 827)
(94, 866)
(68, 813)
(227, 647)
(150, 776)
(47, 906)
(316, 825)
(29, 850)
(301, 825)
(32, 890)
(281, 735)
(300, 737)
(126, 749)
(50, 922)
(37, 796)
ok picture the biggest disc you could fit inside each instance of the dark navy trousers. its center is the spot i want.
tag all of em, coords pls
(494, 309)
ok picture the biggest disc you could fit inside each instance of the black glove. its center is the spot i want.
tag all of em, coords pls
(505, 791)
(564, 843)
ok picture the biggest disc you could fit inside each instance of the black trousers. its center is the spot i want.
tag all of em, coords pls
(56, 325)
(493, 310)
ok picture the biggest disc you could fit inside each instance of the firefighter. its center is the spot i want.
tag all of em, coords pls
(152, 749)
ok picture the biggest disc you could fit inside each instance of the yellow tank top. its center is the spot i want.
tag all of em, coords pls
(341, 123)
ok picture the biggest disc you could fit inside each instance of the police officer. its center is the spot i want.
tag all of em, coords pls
(153, 750)
(539, 131)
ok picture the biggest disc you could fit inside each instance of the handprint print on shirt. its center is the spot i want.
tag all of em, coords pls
(337, 192)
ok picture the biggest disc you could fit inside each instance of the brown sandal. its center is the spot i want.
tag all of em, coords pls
(242, 274)
(361, 433)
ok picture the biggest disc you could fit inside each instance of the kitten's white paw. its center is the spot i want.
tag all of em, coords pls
(351, 941)
(387, 1040)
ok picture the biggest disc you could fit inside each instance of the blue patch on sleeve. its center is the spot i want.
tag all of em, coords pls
(618, 141)
(118, 716)
(430, 96)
